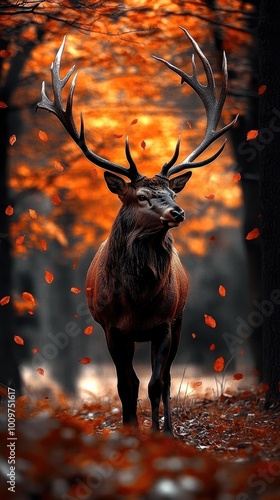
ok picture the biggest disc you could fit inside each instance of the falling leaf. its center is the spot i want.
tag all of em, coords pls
(18, 340)
(75, 289)
(28, 297)
(209, 196)
(49, 277)
(12, 139)
(5, 300)
(44, 245)
(43, 136)
(58, 166)
(252, 134)
(20, 240)
(4, 53)
(118, 136)
(238, 376)
(212, 238)
(3, 105)
(85, 361)
(143, 145)
(236, 178)
(222, 291)
(212, 347)
(32, 213)
(9, 210)
(189, 124)
(219, 364)
(194, 335)
(75, 263)
(56, 199)
(209, 321)
(35, 350)
(262, 89)
(134, 121)
(41, 371)
(88, 330)
(255, 233)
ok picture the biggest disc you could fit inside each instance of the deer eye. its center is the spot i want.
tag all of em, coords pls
(141, 197)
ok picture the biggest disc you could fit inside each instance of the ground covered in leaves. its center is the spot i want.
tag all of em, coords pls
(225, 448)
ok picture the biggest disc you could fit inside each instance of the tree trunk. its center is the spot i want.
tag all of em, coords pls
(269, 130)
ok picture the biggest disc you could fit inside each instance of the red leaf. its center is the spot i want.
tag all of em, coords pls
(134, 121)
(212, 347)
(143, 145)
(262, 89)
(219, 364)
(44, 245)
(28, 297)
(9, 210)
(20, 240)
(18, 340)
(252, 134)
(194, 335)
(41, 371)
(49, 277)
(56, 199)
(88, 330)
(43, 136)
(212, 238)
(35, 350)
(85, 361)
(12, 139)
(222, 291)
(236, 178)
(118, 136)
(255, 233)
(5, 300)
(209, 321)
(4, 53)
(3, 105)
(32, 213)
(238, 376)
(189, 124)
(75, 289)
(209, 196)
(58, 166)
(75, 263)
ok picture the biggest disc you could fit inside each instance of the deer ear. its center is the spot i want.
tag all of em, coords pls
(116, 184)
(178, 183)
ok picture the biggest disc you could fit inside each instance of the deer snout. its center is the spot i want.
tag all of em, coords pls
(178, 214)
(173, 216)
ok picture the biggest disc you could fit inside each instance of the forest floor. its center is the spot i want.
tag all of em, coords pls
(225, 448)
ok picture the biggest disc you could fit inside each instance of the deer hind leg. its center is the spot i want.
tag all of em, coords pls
(160, 349)
(122, 354)
(175, 332)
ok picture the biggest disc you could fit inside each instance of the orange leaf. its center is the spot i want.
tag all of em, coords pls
(58, 166)
(28, 297)
(238, 376)
(75, 289)
(143, 145)
(56, 199)
(85, 361)
(43, 245)
(252, 134)
(9, 210)
(262, 89)
(134, 121)
(20, 240)
(194, 335)
(118, 136)
(209, 196)
(189, 124)
(33, 214)
(75, 263)
(236, 178)
(222, 291)
(12, 139)
(43, 136)
(35, 350)
(4, 53)
(212, 347)
(209, 321)
(219, 364)
(5, 300)
(49, 277)
(3, 104)
(41, 371)
(255, 233)
(88, 330)
(18, 340)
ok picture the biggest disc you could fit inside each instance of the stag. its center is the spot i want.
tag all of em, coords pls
(136, 285)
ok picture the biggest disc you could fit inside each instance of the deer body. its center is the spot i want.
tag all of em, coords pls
(136, 285)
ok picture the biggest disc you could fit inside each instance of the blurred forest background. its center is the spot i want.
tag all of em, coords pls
(55, 207)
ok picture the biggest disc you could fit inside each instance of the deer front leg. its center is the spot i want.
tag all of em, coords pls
(122, 353)
(160, 349)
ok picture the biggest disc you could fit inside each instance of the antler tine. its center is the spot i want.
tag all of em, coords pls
(67, 120)
(212, 105)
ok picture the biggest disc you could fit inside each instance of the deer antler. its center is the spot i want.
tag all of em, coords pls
(213, 107)
(67, 120)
